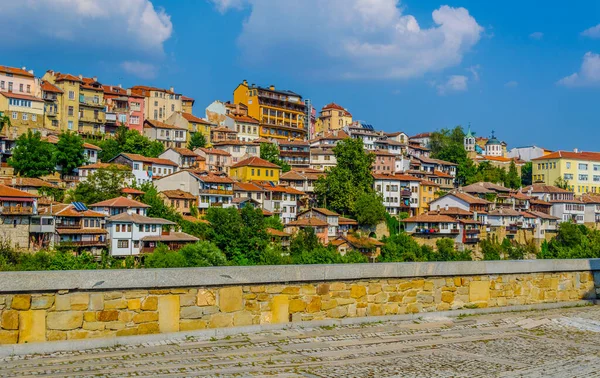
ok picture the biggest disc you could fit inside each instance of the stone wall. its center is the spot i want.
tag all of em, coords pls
(81, 312)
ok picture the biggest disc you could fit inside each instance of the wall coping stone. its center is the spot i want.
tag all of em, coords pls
(48, 281)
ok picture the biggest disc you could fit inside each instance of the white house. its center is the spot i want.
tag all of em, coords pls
(400, 192)
(144, 169)
(527, 153)
(322, 158)
(168, 135)
(86, 170)
(592, 208)
(238, 150)
(132, 234)
(211, 188)
(433, 225)
(281, 201)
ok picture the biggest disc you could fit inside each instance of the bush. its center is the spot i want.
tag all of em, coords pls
(203, 253)
(162, 257)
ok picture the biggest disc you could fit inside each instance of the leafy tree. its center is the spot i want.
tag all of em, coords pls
(128, 141)
(305, 240)
(32, 156)
(54, 193)
(347, 181)
(158, 208)
(197, 141)
(369, 209)
(101, 185)
(561, 183)
(319, 255)
(270, 152)
(4, 121)
(203, 253)
(274, 223)
(512, 180)
(274, 255)
(527, 174)
(393, 224)
(446, 251)
(491, 250)
(402, 247)
(69, 152)
(162, 257)
(354, 257)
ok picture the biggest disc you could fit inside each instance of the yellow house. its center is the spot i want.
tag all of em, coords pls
(255, 169)
(280, 112)
(427, 192)
(92, 114)
(192, 124)
(333, 117)
(159, 104)
(25, 113)
(68, 103)
(52, 96)
(187, 104)
(580, 170)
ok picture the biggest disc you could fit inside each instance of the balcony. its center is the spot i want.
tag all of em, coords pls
(512, 229)
(111, 118)
(472, 231)
(405, 193)
(224, 192)
(454, 231)
(49, 97)
(17, 210)
(42, 228)
(68, 226)
(471, 239)
(87, 243)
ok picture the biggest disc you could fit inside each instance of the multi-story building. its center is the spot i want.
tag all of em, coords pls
(18, 80)
(464, 201)
(280, 112)
(255, 169)
(239, 150)
(52, 96)
(400, 192)
(592, 209)
(247, 127)
(527, 153)
(25, 112)
(159, 104)
(304, 180)
(123, 108)
(79, 228)
(187, 104)
(234, 117)
(222, 134)
(385, 162)
(213, 189)
(422, 139)
(322, 158)
(282, 201)
(183, 202)
(249, 190)
(119, 205)
(216, 160)
(331, 217)
(294, 152)
(92, 113)
(168, 135)
(192, 124)
(310, 118)
(68, 103)
(428, 191)
(580, 170)
(365, 132)
(184, 158)
(333, 117)
(16, 208)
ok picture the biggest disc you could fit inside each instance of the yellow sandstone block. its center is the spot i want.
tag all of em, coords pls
(32, 326)
(168, 313)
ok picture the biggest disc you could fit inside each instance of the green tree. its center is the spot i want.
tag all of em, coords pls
(4, 121)
(561, 183)
(319, 255)
(448, 144)
(128, 141)
(348, 180)
(305, 240)
(102, 185)
(158, 208)
(162, 257)
(527, 174)
(369, 209)
(203, 253)
(274, 223)
(196, 141)
(32, 156)
(512, 180)
(69, 152)
(403, 248)
(270, 152)
(446, 251)
(491, 250)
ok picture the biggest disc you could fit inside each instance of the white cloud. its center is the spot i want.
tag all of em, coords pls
(536, 35)
(511, 84)
(593, 32)
(353, 38)
(140, 69)
(474, 70)
(588, 75)
(134, 25)
(455, 83)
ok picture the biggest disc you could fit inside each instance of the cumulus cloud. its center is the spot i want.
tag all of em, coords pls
(135, 25)
(511, 84)
(593, 32)
(536, 35)
(140, 69)
(455, 83)
(353, 38)
(588, 75)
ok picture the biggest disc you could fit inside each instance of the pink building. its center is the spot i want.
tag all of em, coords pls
(123, 107)
(385, 162)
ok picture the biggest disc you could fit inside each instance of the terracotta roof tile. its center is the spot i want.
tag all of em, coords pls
(144, 159)
(543, 188)
(178, 194)
(192, 118)
(21, 96)
(206, 176)
(582, 155)
(255, 162)
(161, 125)
(26, 182)
(308, 222)
(49, 87)
(104, 166)
(184, 152)
(243, 118)
(247, 187)
(214, 151)
(120, 202)
(430, 218)
(6, 191)
(274, 232)
(16, 71)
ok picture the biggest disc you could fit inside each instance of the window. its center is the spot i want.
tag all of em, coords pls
(20, 87)
(10, 86)
(258, 172)
(25, 116)
(86, 223)
(70, 125)
(28, 88)
(596, 178)
(252, 172)
(122, 243)
(172, 107)
(147, 228)
(582, 167)
(155, 114)
(596, 167)
(136, 166)
(34, 117)
(153, 228)
(71, 95)
(583, 177)
(568, 165)
(70, 111)
(134, 120)
(14, 115)
(568, 176)
(2, 84)
(155, 103)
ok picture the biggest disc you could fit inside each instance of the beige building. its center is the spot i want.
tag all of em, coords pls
(170, 136)
(192, 124)
(332, 117)
(160, 104)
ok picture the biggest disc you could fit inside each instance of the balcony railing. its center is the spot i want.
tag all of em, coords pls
(225, 192)
(472, 231)
(405, 193)
(513, 228)
(89, 243)
(16, 210)
(68, 226)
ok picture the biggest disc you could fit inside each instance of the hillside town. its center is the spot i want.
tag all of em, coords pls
(270, 149)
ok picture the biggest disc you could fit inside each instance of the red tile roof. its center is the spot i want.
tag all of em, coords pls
(120, 202)
(184, 152)
(16, 71)
(21, 96)
(274, 232)
(186, 98)
(131, 191)
(582, 155)
(67, 77)
(346, 221)
(144, 159)
(214, 151)
(362, 242)
(178, 194)
(192, 118)
(247, 187)
(471, 200)
(395, 177)
(217, 178)
(308, 222)
(430, 218)
(104, 166)
(6, 191)
(543, 188)
(26, 182)
(161, 125)
(142, 89)
(49, 87)
(255, 162)
(243, 118)
(70, 211)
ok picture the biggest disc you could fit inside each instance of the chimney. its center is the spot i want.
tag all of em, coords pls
(446, 207)
(120, 86)
(24, 68)
(110, 88)
(95, 78)
(438, 207)
(80, 77)
(172, 89)
(272, 87)
(30, 71)
(245, 82)
(576, 150)
(13, 181)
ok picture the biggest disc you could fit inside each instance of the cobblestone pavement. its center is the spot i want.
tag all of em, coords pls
(549, 343)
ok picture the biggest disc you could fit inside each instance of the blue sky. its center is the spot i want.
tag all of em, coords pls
(528, 70)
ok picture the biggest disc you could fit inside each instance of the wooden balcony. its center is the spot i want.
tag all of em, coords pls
(19, 210)
(68, 226)
(225, 192)
(87, 243)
